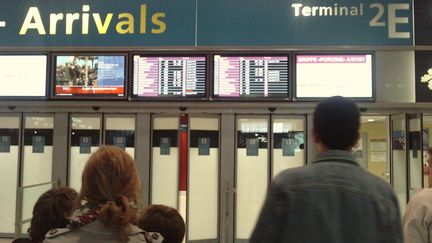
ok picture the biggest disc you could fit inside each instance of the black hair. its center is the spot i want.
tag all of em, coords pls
(164, 220)
(51, 211)
(337, 122)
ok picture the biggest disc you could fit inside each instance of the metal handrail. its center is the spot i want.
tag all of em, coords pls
(35, 185)
(19, 222)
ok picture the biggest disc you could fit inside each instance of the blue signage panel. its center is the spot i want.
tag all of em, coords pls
(319, 22)
(252, 146)
(288, 146)
(85, 143)
(97, 23)
(120, 142)
(165, 146)
(5, 143)
(204, 146)
(38, 143)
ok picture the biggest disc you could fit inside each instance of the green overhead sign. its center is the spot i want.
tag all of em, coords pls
(62, 23)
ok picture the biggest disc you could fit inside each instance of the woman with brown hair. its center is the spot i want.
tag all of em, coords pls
(109, 199)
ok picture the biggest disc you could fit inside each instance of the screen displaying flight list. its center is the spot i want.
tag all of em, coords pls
(323, 75)
(250, 76)
(169, 76)
(90, 76)
(23, 75)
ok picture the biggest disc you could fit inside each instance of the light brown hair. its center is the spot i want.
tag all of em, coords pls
(110, 180)
(51, 211)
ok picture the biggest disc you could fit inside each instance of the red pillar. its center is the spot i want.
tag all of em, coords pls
(184, 127)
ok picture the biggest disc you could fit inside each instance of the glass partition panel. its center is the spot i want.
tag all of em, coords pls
(415, 154)
(288, 143)
(120, 132)
(25, 228)
(38, 150)
(203, 179)
(30, 195)
(372, 148)
(165, 161)
(84, 140)
(252, 173)
(9, 156)
(399, 159)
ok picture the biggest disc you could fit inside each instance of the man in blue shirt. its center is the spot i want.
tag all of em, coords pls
(332, 199)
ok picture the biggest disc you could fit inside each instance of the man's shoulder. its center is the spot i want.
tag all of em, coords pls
(319, 173)
(375, 181)
(296, 176)
(424, 195)
(297, 172)
(426, 192)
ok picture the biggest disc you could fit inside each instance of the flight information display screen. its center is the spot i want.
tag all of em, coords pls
(348, 75)
(169, 76)
(90, 76)
(23, 76)
(250, 76)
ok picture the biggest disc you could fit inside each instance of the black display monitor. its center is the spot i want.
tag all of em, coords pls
(324, 75)
(169, 76)
(423, 76)
(89, 76)
(250, 76)
(23, 76)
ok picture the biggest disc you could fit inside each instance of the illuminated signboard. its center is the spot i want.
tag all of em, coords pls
(90, 76)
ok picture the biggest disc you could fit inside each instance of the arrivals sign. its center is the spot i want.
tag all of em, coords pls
(97, 22)
(205, 23)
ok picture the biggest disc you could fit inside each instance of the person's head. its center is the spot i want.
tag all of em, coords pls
(427, 169)
(110, 181)
(164, 220)
(336, 124)
(429, 155)
(51, 211)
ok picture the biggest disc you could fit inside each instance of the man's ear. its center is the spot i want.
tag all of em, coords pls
(356, 139)
(315, 136)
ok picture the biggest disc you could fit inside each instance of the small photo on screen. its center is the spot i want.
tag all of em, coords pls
(23, 75)
(250, 76)
(169, 76)
(348, 75)
(101, 75)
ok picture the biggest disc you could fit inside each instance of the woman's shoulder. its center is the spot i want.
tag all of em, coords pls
(94, 231)
(58, 235)
(138, 234)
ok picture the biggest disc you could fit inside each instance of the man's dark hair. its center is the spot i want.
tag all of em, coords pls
(337, 122)
(52, 210)
(164, 220)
